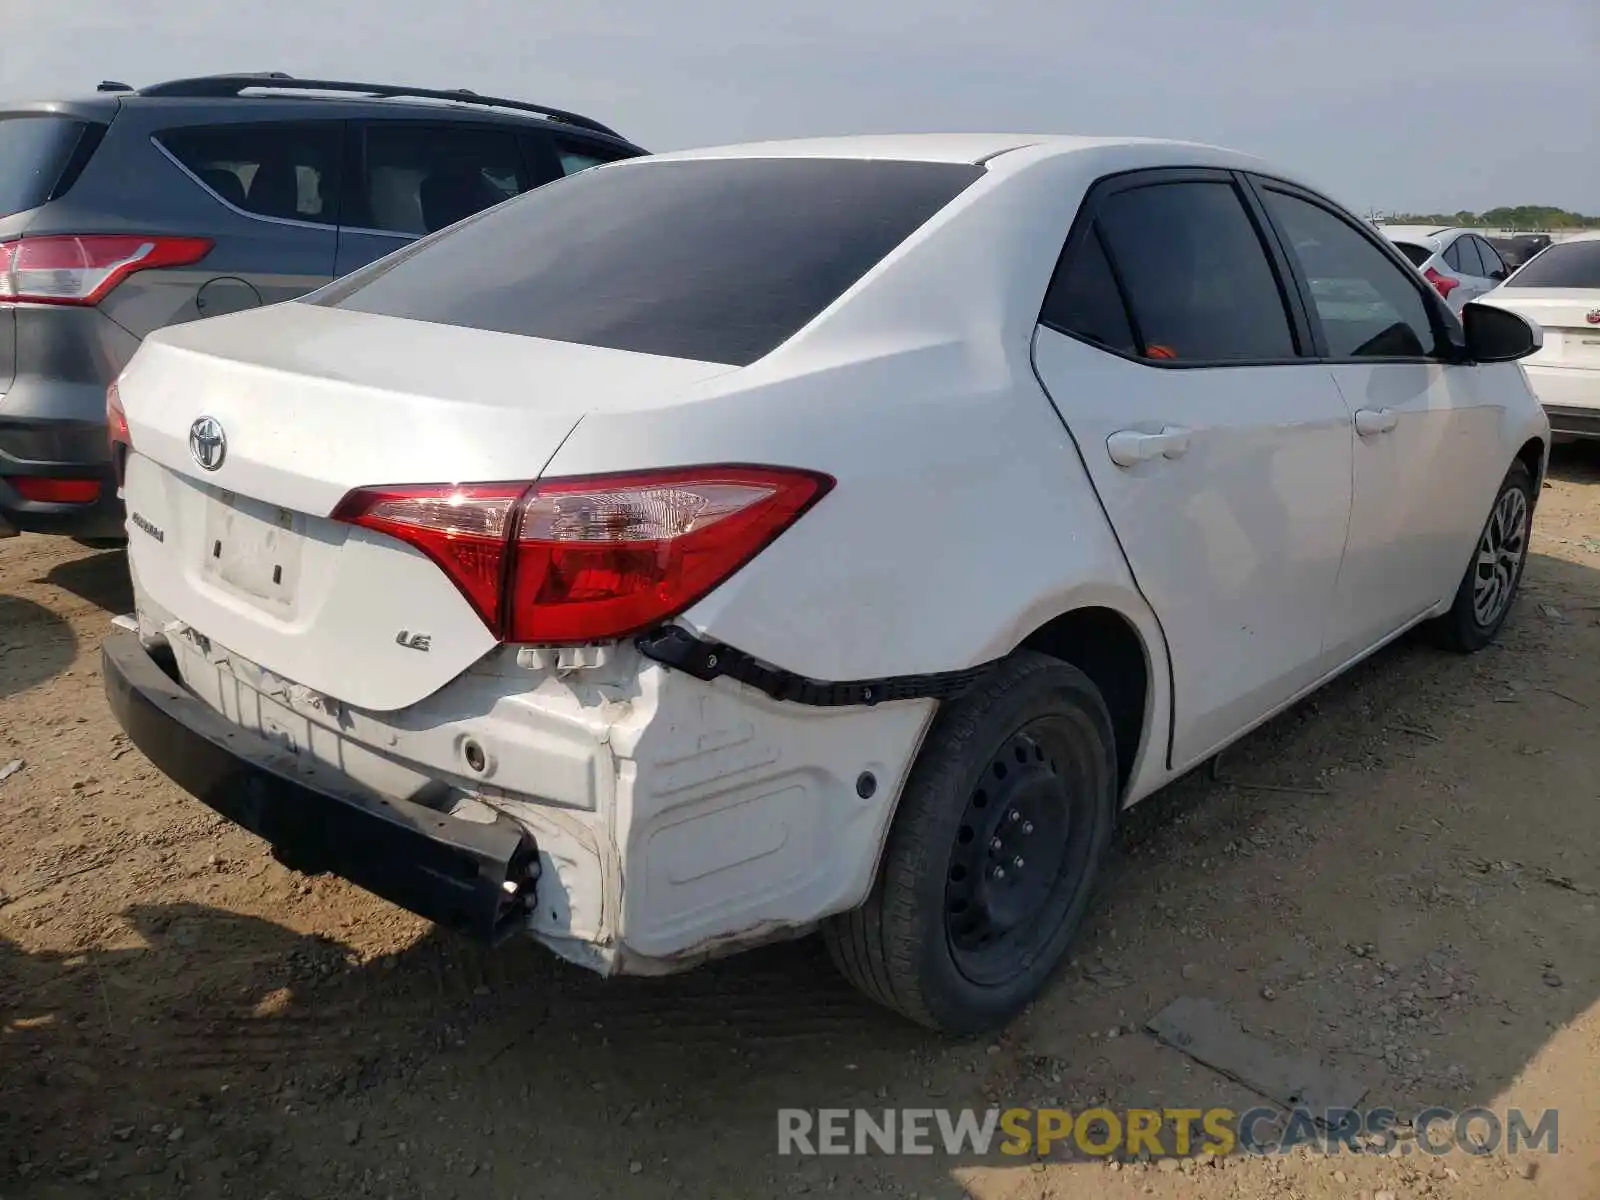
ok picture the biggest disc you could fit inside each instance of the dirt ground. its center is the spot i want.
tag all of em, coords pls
(1401, 877)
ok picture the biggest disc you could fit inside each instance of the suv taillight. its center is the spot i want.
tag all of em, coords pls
(84, 268)
(592, 559)
(1442, 283)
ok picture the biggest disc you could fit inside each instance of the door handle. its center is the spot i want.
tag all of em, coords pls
(1129, 447)
(1372, 421)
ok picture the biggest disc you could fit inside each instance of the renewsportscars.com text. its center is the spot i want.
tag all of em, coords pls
(1161, 1132)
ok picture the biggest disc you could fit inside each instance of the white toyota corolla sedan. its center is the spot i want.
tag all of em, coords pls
(715, 546)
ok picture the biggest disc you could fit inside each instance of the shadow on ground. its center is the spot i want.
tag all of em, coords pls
(101, 579)
(36, 645)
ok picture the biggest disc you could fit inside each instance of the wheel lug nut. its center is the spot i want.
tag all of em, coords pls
(994, 843)
(1027, 827)
(1017, 863)
(1014, 815)
(998, 873)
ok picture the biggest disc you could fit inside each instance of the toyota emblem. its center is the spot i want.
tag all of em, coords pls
(208, 443)
(1594, 317)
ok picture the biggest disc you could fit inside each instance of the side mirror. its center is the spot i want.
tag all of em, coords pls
(1499, 335)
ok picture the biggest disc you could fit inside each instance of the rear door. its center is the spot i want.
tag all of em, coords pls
(1427, 431)
(410, 178)
(1171, 348)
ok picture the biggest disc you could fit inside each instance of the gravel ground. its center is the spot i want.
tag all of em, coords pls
(1400, 877)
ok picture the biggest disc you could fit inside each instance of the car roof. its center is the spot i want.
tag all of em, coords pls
(1428, 234)
(951, 147)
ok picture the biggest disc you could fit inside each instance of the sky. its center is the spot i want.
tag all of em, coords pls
(1414, 105)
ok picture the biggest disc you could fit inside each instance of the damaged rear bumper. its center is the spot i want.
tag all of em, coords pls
(475, 878)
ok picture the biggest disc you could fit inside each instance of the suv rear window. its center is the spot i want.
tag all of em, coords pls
(34, 151)
(1417, 254)
(289, 172)
(1562, 265)
(719, 260)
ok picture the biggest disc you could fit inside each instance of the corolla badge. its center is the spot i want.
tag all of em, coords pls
(208, 443)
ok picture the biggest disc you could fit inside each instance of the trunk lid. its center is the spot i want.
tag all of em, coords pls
(312, 403)
(1571, 339)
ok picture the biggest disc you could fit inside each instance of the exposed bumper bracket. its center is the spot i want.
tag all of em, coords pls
(477, 879)
(676, 647)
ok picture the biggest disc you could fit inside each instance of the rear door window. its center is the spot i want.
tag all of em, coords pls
(289, 172)
(1198, 280)
(719, 260)
(418, 178)
(35, 151)
(1456, 259)
(1562, 265)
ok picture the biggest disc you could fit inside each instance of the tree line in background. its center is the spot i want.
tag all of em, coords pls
(1522, 216)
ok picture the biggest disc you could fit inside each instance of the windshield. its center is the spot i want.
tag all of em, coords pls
(719, 260)
(1563, 265)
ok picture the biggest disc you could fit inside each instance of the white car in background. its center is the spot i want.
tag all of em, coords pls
(1460, 264)
(1559, 288)
(705, 548)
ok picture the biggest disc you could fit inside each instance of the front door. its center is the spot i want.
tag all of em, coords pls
(1423, 434)
(1168, 347)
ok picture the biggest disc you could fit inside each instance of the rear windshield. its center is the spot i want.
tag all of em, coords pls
(34, 151)
(713, 259)
(1417, 254)
(1563, 265)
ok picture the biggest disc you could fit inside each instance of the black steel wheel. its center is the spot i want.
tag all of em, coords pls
(993, 852)
(1019, 852)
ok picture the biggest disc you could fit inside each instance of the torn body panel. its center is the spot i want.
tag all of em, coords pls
(676, 819)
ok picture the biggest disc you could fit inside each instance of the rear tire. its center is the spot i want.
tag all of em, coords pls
(1489, 586)
(960, 932)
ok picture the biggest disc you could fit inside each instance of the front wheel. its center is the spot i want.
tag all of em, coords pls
(993, 853)
(1490, 584)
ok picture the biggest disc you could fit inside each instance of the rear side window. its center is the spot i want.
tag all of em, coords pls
(1198, 281)
(1417, 254)
(417, 179)
(719, 260)
(579, 155)
(1456, 259)
(1084, 299)
(290, 172)
(1369, 305)
(34, 153)
(1562, 265)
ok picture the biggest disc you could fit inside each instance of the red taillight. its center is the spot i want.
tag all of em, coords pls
(1441, 282)
(44, 490)
(117, 431)
(587, 560)
(83, 268)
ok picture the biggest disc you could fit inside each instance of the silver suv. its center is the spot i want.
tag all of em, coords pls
(132, 210)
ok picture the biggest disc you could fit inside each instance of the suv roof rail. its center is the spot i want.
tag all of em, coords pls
(234, 85)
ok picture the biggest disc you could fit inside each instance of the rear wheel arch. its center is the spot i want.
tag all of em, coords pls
(1109, 648)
